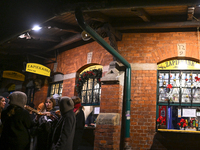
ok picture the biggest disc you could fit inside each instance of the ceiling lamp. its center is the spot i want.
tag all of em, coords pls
(36, 28)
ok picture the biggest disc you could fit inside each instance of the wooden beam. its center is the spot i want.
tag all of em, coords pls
(72, 39)
(96, 16)
(24, 45)
(142, 14)
(43, 37)
(63, 27)
(156, 25)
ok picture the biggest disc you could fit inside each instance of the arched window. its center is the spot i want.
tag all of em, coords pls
(88, 87)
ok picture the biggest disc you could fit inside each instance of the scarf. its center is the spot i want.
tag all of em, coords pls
(76, 107)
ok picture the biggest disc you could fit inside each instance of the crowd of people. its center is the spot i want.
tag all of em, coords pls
(56, 124)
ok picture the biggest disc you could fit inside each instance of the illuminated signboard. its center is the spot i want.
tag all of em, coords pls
(179, 65)
(38, 69)
(13, 75)
(92, 68)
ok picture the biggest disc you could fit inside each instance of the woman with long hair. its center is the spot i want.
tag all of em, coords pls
(45, 124)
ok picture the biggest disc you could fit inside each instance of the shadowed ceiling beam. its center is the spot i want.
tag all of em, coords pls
(63, 27)
(142, 14)
(44, 37)
(153, 25)
(72, 39)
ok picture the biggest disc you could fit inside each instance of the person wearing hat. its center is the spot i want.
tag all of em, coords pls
(63, 134)
(16, 124)
(80, 122)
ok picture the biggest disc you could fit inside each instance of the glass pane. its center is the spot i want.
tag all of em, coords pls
(56, 91)
(162, 94)
(52, 89)
(175, 95)
(186, 95)
(163, 79)
(196, 95)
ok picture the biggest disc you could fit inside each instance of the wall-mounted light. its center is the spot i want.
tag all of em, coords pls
(85, 36)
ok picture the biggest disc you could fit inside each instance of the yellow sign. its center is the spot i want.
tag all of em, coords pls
(179, 65)
(92, 68)
(13, 75)
(38, 69)
(12, 87)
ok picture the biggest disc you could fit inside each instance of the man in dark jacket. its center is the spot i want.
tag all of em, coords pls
(65, 128)
(16, 122)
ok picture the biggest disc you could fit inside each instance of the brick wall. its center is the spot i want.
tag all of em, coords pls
(40, 95)
(156, 47)
(153, 48)
(69, 89)
(72, 60)
(135, 48)
(108, 136)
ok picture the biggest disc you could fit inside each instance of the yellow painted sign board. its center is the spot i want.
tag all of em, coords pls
(38, 69)
(13, 75)
(12, 87)
(179, 65)
(92, 68)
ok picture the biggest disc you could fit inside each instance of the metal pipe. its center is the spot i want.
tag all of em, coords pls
(110, 49)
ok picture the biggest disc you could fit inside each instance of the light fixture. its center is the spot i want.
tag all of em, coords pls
(36, 28)
(85, 36)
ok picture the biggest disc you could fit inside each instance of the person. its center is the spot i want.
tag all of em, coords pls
(63, 134)
(2, 105)
(90, 121)
(40, 107)
(45, 125)
(57, 98)
(6, 95)
(80, 122)
(16, 124)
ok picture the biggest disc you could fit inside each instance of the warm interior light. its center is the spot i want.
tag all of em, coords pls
(182, 65)
(36, 28)
(197, 65)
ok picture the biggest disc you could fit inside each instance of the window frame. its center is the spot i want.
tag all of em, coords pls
(50, 87)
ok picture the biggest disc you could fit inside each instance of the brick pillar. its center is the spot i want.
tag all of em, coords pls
(108, 127)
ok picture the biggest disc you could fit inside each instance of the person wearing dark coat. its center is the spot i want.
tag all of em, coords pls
(45, 125)
(63, 134)
(16, 124)
(80, 122)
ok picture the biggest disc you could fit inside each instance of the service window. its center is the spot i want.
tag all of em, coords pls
(56, 88)
(178, 96)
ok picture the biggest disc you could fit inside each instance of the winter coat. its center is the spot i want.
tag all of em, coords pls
(64, 132)
(16, 124)
(43, 132)
(80, 123)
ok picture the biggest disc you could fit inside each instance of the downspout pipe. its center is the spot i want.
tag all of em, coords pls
(110, 49)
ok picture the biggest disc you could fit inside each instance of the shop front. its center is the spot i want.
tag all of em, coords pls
(178, 96)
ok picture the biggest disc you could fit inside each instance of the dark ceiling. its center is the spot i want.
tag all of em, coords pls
(62, 32)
